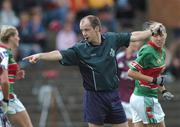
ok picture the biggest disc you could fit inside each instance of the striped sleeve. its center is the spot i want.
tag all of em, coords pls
(142, 60)
(4, 59)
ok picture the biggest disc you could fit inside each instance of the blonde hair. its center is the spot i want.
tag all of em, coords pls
(6, 32)
(147, 25)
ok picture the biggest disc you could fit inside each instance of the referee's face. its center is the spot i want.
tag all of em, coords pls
(88, 32)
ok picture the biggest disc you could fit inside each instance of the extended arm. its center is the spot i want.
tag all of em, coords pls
(142, 35)
(49, 56)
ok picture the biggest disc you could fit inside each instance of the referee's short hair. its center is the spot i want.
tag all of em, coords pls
(94, 20)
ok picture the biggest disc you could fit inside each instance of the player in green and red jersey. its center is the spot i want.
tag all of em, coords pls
(10, 41)
(147, 69)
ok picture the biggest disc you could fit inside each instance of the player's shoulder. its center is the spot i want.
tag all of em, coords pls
(3, 47)
(145, 48)
(3, 50)
(3, 53)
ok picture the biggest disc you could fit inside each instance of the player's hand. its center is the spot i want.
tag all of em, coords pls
(161, 80)
(167, 95)
(155, 28)
(4, 105)
(33, 58)
(20, 74)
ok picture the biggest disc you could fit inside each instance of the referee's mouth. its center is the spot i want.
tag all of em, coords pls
(86, 38)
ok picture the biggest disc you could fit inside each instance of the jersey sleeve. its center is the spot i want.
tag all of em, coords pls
(69, 57)
(142, 61)
(4, 59)
(122, 39)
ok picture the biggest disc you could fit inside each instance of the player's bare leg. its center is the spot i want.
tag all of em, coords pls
(162, 124)
(121, 125)
(140, 124)
(130, 124)
(21, 119)
(94, 125)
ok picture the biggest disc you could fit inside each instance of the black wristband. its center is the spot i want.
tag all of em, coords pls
(7, 101)
(164, 91)
(152, 32)
(162, 79)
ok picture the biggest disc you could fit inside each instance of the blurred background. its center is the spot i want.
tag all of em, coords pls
(52, 93)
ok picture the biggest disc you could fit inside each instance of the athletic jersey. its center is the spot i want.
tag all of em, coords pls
(126, 84)
(10, 64)
(97, 63)
(150, 61)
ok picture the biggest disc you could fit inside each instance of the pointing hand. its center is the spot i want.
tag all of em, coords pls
(33, 58)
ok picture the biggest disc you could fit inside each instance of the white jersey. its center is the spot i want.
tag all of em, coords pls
(4, 58)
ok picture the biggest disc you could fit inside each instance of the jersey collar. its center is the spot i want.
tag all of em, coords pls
(102, 38)
(3, 46)
(151, 43)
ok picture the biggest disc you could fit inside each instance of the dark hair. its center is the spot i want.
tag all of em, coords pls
(94, 20)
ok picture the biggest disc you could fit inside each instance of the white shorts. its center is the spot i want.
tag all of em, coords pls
(146, 109)
(128, 109)
(15, 105)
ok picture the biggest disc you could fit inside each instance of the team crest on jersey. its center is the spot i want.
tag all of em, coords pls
(158, 61)
(12, 60)
(112, 52)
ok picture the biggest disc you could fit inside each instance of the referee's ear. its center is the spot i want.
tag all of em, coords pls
(97, 29)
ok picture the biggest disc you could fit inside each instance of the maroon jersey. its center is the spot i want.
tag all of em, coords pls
(126, 84)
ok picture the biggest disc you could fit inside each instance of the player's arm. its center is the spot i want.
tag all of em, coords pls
(139, 76)
(142, 35)
(162, 88)
(49, 56)
(165, 93)
(4, 75)
(4, 80)
(5, 84)
(160, 80)
(5, 89)
(137, 65)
